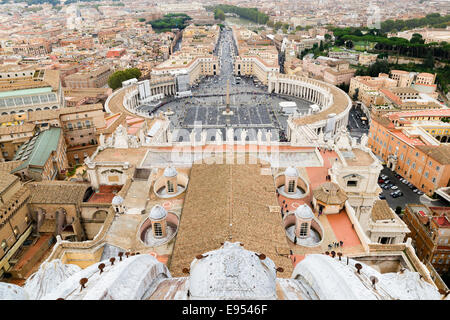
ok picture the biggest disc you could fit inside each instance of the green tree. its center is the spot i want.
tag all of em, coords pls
(116, 79)
(327, 37)
(321, 46)
(219, 14)
(141, 19)
(429, 61)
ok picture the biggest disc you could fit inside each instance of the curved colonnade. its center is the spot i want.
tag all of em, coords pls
(328, 117)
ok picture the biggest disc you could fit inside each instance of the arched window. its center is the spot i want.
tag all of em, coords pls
(304, 229)
(291, 186)
(158, 229)
(169, 186)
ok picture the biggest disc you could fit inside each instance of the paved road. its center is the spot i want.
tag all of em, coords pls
(356, 126)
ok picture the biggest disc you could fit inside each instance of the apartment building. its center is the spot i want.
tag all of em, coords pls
(430, 231)
(96, 77)
(255, 56)
(40, 90)
(43, 156)
(15, 221)
(195, 58)
(12, 135)
(80, 126)
(411, 151)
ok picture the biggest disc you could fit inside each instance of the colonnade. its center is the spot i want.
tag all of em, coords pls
(310, 92)
(166, 89)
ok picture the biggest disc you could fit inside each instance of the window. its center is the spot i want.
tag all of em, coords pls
(352, 183)
(291, 186)
(304, 229)
(414, 165)
(426, 174)
(433, 180)
(385, 240)
(437, 168)
(158, 229)
(169, 186)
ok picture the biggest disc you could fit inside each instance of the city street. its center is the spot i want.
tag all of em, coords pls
(357, 126)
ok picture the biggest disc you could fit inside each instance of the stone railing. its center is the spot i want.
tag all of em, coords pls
(365, 241)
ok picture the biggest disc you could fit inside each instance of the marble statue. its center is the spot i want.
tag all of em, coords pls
(259, 136)
(121, 137)
(230, 135)
(243, 135)
(219, 138)
(364, 140)
(203, 136)
(268, 136)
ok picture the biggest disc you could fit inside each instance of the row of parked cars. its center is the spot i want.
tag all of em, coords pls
(386, 184)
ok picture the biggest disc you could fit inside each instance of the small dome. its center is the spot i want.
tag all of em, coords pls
(232, 272)
(304, 212)
(117, 200)
(291, 172)
(157, 213)
(170, 172)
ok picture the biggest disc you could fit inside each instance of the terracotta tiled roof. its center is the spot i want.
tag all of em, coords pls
(330, 193)
(57, 192)
(225, 200)
(381, 211)
(439, 153)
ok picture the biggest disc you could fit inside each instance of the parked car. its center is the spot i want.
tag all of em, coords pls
(419, 193)
(386, 187)
(381, 196)
(404, 181)
(380, 181)
(394, 188)
(415, 190)
(387, 181)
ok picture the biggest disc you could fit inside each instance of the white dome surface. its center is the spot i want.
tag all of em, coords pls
(291, 172)
(157, 213)
(170, 172)
(117, 200)
(232, 272)
(10, 291)
(133, 278)
(331, 279)
(48, 277)
(304, 212)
